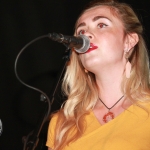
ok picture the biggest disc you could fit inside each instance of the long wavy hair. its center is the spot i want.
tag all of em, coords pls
(81, 88)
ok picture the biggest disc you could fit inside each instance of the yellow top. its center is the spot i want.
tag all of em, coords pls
(128, 131)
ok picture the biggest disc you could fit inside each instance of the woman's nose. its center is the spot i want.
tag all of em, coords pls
(88, 34)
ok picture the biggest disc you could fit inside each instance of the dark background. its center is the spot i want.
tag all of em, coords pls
(20, 22)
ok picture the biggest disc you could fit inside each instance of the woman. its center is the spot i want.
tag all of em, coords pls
(107, 87)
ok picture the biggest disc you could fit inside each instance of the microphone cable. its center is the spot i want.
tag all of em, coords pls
(44, 96)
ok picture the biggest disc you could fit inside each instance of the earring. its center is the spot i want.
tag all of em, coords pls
(86, 71)
(128, 69)
(128, 64)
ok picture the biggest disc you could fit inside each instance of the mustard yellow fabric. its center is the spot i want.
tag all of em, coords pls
(128, 131)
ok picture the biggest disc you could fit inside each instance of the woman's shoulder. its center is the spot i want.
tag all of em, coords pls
(145, 103)
(56, 116)
(142, 107)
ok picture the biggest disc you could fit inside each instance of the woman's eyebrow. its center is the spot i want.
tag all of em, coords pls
(100, 17)
(80, 25)
(94, 19)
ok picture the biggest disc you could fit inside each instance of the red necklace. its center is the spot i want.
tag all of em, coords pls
(110, 115)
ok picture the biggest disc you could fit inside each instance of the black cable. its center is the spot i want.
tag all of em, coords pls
(44, 97)
(33, 143)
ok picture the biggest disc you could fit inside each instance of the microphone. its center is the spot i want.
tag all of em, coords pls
(80, 43)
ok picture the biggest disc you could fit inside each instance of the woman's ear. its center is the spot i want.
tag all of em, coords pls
(131, 40)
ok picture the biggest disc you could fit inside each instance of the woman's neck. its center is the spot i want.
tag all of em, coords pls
(109, 85)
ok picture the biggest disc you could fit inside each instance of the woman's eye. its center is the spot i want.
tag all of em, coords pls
(81, 32)
(101, 25)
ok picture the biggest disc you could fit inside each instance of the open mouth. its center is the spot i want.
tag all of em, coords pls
(92, 47)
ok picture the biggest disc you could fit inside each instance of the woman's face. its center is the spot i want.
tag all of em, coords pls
(106, 33)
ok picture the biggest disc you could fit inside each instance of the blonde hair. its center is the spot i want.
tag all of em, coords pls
(81, 89)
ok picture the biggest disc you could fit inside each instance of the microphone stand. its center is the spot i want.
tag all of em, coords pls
(32, 144)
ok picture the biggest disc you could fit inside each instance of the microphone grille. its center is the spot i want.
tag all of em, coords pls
(86, 44)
